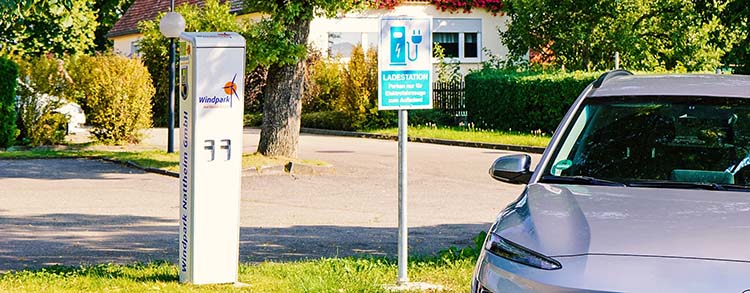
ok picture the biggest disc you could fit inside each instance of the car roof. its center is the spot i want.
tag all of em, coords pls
(707, 85)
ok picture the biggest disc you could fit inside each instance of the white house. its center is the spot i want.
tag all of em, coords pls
(462, 35)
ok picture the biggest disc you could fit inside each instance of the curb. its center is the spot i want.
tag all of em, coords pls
(461, 143)
(289, 168)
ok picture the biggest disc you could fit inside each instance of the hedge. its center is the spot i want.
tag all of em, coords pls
(526, 101)
(8, 84)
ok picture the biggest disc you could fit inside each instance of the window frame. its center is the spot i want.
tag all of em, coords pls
(461, 26)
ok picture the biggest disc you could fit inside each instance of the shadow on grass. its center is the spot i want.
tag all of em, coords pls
(49, 240)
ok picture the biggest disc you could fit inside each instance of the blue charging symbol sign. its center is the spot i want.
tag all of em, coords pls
(405, 70)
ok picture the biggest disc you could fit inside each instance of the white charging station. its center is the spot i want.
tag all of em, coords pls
(212, 78)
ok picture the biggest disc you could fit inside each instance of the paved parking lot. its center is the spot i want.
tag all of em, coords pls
(75, 211)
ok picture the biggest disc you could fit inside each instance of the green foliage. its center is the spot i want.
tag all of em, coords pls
(447, 71)
(8, 84)
(650, 35)
(736, 15)
(154, 47)
(43, 82)
(453, 253)
(333, 120)
(253, 120)
(109, 12)
(39, 27)
(278, 40)
(525, 101)
(115, 93)
(359, 98)
(323, 84)
(429, 116)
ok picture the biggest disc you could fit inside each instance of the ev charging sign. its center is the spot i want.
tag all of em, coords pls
(212, 73)
(405, 63)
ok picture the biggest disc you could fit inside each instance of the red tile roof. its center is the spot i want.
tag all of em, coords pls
(148, 9)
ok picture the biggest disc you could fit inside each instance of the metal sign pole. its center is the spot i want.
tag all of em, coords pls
(403, 229)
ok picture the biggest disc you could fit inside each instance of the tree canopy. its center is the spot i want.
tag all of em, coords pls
(35, 27)
(680, 35)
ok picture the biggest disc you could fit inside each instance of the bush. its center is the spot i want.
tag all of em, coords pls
(430, 116)
(323, 84)
(359, 98)
(115, 93)
(42, 87)
(327, 120)
(526, 101)
(8, 84)
(253, 120)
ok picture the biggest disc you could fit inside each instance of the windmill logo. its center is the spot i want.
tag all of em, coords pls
(230, 88)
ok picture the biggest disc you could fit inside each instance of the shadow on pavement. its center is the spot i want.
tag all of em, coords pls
(60, 169)
(76, 239)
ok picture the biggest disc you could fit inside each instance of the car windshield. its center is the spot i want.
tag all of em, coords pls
(639, 141)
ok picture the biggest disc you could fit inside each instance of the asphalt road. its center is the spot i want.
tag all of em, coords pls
(77, 211)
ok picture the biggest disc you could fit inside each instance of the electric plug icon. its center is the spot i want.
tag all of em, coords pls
(416, 37)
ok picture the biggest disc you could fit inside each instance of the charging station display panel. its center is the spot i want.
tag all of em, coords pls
(405, 63)
(211, 157)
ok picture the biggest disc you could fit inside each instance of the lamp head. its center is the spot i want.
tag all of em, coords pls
(172, 25)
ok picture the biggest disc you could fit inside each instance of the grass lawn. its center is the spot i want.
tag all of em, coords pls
(148, 158)
(323, 275)
(471, 134)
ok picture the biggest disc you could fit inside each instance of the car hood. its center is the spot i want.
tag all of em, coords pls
(564, 220)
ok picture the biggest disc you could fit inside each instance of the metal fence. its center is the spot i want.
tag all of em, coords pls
(449, 98)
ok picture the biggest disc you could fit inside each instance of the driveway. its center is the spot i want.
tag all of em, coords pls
(75, 211)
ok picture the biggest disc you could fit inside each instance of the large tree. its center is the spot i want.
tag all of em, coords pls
(35, 27)
(279, 42)
(649, 34)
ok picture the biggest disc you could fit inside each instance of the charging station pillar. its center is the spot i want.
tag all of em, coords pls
(212, 80)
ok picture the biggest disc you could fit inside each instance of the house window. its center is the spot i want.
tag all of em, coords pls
(341, 44)
(471, 50)
(449, 43)
(461, 38)
(135, 49)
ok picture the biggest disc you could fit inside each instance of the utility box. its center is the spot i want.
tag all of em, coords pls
(212, 78)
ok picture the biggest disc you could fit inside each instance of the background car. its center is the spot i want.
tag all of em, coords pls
(644, 187)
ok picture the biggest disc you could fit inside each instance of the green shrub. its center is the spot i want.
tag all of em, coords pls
(323, 84)
(430, 116)
(115, 93)
(359, 97)
(508, 100)
(253, 120)
(327, 120)
(43, 84)
(8, 84)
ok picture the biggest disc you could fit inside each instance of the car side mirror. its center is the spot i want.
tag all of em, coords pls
(512, 169)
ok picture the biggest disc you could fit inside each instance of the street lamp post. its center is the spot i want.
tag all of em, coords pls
(171, 26)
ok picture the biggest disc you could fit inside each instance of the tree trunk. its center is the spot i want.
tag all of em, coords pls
(282, 106)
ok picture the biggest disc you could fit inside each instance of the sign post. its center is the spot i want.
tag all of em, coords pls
(211, 87)
(404, 82)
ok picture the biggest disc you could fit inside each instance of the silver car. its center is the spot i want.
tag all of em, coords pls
(643, 188)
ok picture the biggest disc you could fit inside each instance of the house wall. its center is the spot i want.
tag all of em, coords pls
(124, 45)
(366, 23)
(364, 26)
